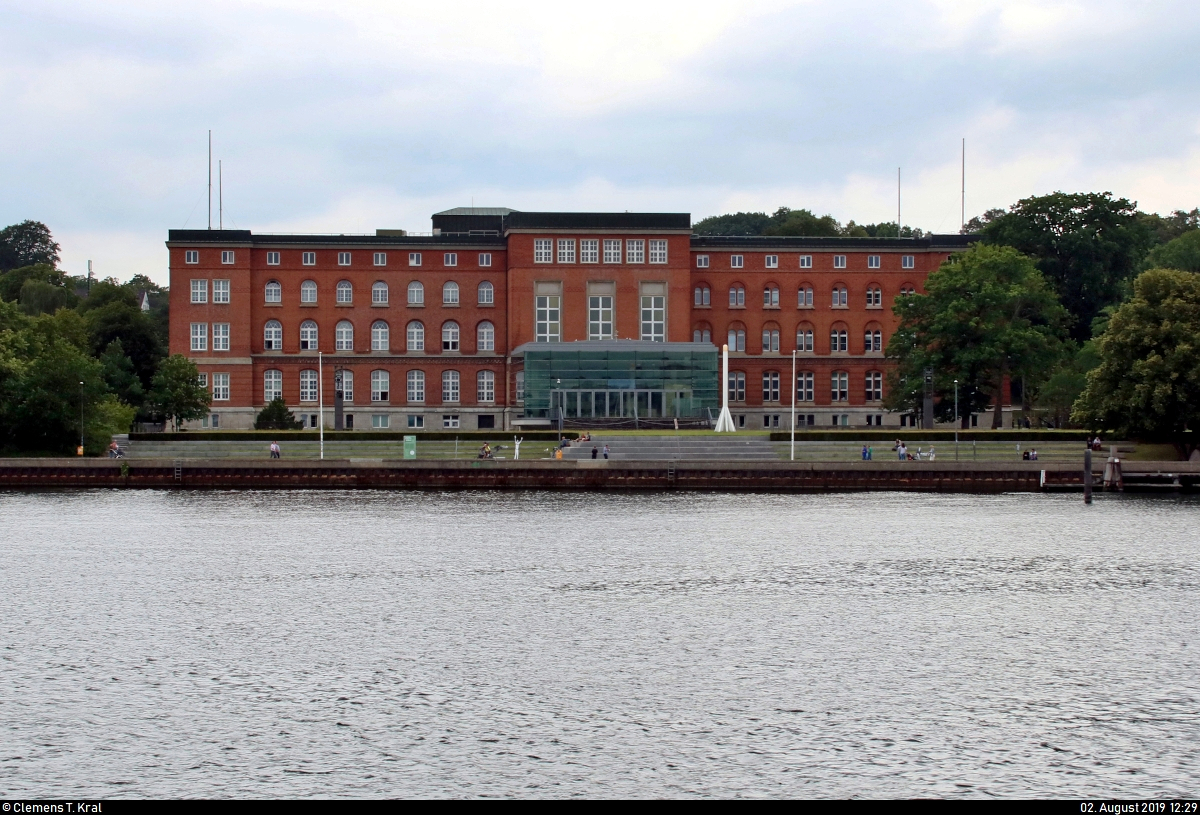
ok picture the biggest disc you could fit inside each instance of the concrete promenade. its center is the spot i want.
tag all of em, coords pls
(784, 476)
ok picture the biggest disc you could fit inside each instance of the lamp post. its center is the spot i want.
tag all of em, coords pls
(321, 401)
(80, 451)
(956, 420)
(793, 405)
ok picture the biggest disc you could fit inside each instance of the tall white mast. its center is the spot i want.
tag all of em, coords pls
(210, 179)
(725, 421)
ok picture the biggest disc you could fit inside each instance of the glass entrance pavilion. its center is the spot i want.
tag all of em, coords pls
(613, 379)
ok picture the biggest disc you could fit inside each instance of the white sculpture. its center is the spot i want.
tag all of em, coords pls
(725, 421)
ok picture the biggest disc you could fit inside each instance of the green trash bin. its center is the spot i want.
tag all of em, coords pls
(410, 447)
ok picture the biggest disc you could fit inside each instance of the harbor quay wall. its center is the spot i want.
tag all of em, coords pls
(965, 477)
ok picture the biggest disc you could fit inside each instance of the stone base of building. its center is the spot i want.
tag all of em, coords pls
(365, 417)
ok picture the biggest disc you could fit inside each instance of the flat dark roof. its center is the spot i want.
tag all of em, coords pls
(245, 236)
(599, 220)
(641, 346)
(763, 242)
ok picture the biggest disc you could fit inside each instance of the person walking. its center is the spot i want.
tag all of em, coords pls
(606, 452)
(274, 449)
(871, 453)
(902, 452)
(864, 453)
(594, 451)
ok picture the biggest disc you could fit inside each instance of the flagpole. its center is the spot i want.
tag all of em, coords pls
(793, 405)
(321, 397)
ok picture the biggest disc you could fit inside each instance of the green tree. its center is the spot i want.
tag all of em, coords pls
(1182, 253)
(738, 223)
(1058, 394)
(1166, 228)
(120, 376)
(802, 222)
(40, 297)
(26, 244)
(276, 416)
(1148, 380)
(988, 314)
(13, 280)
(1088, 245)
(176, 391)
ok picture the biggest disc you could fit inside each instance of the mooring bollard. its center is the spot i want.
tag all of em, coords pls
(1087, 476)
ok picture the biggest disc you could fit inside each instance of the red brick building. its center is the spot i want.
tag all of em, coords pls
(419, 330)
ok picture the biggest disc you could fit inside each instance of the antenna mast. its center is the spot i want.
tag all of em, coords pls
(963, 211)
(210, 179)
(897, 202)
(220, 198)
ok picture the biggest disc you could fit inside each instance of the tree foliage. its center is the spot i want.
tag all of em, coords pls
(176, 391)
(26, 244)
(1089, 245)
(1181, 253)
(1148, 381)
(276, 416)
(797, 223)
(987, 314)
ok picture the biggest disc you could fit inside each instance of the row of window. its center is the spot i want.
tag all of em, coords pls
(485, 293)
(381, 390)
(839, 386)
(343, 258)
(772, 262)
(485, 336)
(839, 296)
(589, 250)
(652, 318)
(839, 339)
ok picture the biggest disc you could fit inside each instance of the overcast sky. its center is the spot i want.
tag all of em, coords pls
(348, 116)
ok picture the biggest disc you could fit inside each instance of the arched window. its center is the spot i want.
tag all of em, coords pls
(416, 336)
(450, 294)
(770, 338)
(907, 289)
(804, 296)
(804, 338)
(450, 336)
(874, 389)
(804, 386)
(416, 293)
(416, 386)
(839, 386)
(345, 291)
(872, 339)
(485, 385)
(737, 296)
(273, 292)
(450, 386)
(737, 337)
(308, 336)
(771, 296)
(379, 293)
(841, 297)
(838, 338)
(702, 296)
(381, 382)
(308, 291)
(874, 296)
(272, 337)
(485, 337)
(308, 386)
(343, 336)
(380, 336)
(702, 333)
(487, 295)
(272, 385)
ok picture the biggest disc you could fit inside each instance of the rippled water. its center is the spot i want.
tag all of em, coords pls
(484, 644)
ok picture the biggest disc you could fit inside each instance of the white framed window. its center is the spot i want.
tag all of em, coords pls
(416, 293)
(566, 250)
(874, 383)
(199, 336)
(450, 335)
(450, 422)
(220, 336)
(272, 258)
(273, 293)
(415, 336)
(839, 261)
(737, 339)
(485, 337)
(379, 293)
(485, 258)
(308, 291)
(485, 386)
(806, 261)
(416, 386)
(804, 297)
(220, 387)
(227, 256)
(737, 296)
(737, 386)
(308, 386)
(450, 386)
(308, 336)
(907, 289)
(381, 336)
(191, 256)
(381, 390)
(380, 421)
(520, 389)
(838, 340)
(450, 294)
(199, 291)
(736, 261)
(770, 383)
(272, 337)
(486, 294)
(381, 258)
(654, 318)
(414, 258)
(770, 340)
(872, 341)
(840, 297)
(658, 251)
(804, 338)
(308, 258)
(874, 297)
(839, 386)
(600, 317)
(547, 316)
(416, 422)
(804, 386)
(220, 291)
(345, 292)
(772, 261)
(543, 250)
(635, 251)
(450, 259)
(272, 385)
(701, 335)
(701, 261)
(343, 336)
(589, 250)
(202, 379)
(906, 261)
(612, 250)
(770, 297)
(702, 296)
(872, 261)
(343, 258)
(346, 381)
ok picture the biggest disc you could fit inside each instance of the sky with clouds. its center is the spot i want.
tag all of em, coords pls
(349, 116)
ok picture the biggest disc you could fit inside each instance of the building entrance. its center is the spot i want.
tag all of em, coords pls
(633, 403)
